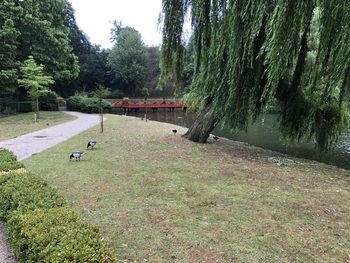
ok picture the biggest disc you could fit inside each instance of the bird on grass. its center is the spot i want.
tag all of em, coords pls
(215, 138)
(76, 155)
(91, 144)
(174, 131)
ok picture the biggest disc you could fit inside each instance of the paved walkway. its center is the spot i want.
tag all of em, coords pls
(26, 145)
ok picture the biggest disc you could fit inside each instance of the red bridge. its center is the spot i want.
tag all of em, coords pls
(148, 104)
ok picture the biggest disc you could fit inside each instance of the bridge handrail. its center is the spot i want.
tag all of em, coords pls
(149, 103)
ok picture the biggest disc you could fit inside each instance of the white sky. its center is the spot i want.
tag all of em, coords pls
(94, 17)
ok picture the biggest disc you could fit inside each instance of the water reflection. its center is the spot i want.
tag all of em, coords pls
(263, 134)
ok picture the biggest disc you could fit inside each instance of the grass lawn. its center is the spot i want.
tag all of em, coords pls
(159, 198)
(16, 125)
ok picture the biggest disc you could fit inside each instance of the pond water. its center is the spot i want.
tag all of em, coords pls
(263, 133)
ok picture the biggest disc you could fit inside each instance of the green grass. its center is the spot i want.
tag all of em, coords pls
(16, 125)
(159, 198)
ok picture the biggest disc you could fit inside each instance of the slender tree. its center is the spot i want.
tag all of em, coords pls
(145, 94)
(248, 52)
(101, 93)
(35, 81)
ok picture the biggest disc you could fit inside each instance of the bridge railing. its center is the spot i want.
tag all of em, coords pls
(151, 103)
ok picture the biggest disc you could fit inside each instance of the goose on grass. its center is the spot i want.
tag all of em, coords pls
(76, 155)
(91, 144)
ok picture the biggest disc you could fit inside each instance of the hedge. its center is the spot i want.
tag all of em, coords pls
(41, 226)
(55, 235)
(6, 156)
(8, 161)
(23, 192)
(87, 104)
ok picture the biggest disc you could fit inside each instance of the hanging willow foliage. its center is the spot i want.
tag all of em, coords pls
(248, 52)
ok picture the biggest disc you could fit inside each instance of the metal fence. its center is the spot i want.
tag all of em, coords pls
(11, 106)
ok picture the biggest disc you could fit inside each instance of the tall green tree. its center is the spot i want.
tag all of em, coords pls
(248, 52)
(8, 49)
(45, 36)
(128, 58)
(35, 28)
(152, 69)
(35, 81)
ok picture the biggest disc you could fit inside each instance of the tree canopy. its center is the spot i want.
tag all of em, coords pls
(128, 58)
(35, 28)
(248, 52)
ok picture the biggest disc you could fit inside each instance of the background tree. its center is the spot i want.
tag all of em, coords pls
(128, 58)
(38, 29)
(153, 75)
(101, 93)
(92, 61)
(35, 82)
(42, 25)
(8, 49)
(152, 70)
(247, 52)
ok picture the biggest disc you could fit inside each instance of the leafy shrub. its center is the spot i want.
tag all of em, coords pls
(48, 102)
(23, 192)
(56, 235)
(40, 225)
(7, 156)
(86, 104)
(8, 161)
(11, 165)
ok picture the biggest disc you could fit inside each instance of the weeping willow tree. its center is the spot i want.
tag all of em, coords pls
(248, 52)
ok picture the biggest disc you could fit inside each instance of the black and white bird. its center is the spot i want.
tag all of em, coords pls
(215, 138)
(91, 144)
(76, 155)
(174, 131)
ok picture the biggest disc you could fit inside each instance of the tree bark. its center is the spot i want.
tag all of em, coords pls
(202, 127)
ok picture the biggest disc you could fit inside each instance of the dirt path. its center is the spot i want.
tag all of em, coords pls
(26, 145)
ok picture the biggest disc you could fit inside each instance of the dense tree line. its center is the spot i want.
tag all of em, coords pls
(47, 31)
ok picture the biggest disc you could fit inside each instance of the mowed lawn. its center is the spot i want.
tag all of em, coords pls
(157, 197)
(16, 125)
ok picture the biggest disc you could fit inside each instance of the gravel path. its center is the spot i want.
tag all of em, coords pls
(26, 145)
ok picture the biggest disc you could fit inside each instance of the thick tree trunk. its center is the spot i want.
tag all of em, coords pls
(202, 127)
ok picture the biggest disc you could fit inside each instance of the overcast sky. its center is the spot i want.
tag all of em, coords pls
(94, 17)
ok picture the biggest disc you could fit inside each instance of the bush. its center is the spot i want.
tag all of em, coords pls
(11, 165)
(86, 104)
(56, 235)
(40, 224)
(24, 192)
(8, 161)
(7, 156)
(49, 101)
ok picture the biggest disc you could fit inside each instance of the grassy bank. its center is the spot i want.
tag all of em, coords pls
(16, 125)
(159, 198)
